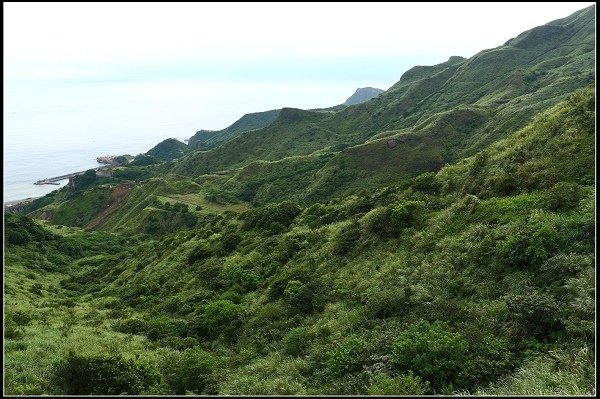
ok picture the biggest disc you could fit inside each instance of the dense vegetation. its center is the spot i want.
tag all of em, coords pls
(168, 150)
(269, 272)
(205, 139)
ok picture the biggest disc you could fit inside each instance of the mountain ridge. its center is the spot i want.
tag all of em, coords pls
(363, 94)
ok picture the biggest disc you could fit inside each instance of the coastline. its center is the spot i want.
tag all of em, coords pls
(42, 186)
(29, 199)
(17, 203)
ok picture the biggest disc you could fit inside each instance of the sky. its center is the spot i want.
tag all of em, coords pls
(370, 42)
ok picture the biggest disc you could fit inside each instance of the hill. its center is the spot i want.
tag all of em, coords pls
(168, 150)
(487, 264)
(363, 94)
(431, 117)
(206, 139)
(437, 239)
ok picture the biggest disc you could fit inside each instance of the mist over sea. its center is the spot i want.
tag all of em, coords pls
(55, 127)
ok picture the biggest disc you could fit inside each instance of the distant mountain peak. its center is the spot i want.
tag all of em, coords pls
(363, 94)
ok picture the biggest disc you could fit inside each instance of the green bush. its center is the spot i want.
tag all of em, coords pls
(382, 303)
(229, 241)
(380, 222)
(534, 313)
(349, 356)
(346, 239)
(19, 317)
(86, 179)
(306, 298)
(405, 384)
(486, 361)
(12, 330)
(104, 375)
(564, 196)
(142, 160)
(297, 341)
(541, 244)
(389, 221)
(272, 216)
(223, 318)
(320, 214)
(19, 230)
(195, 371)
(246, 279)
(202, 251)
(426, 183)
(431, 351)
(558, 269)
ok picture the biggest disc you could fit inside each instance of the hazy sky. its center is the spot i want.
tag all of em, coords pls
(368, 42)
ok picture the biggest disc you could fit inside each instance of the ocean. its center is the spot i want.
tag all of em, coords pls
(56, 127)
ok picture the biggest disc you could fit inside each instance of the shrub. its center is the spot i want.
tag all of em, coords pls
(104, 375)
(379, 221)
(239, 275)
(19, 317)
(533, 313)
(558, 269)
(229, 241)
(20, 230)
(349, 356)
(12, 330)
(384, 303)
(487, 360)
(305, 298)
(272, 216)
(389, 221)
(431, 351)
(564, 196)
(200, 252)
(426, 183)
(297, 341)
(223, 318)
(541, 244)
(194, 371)
(405, 384)
(131, 326)
(162, 326)
(346, 239)
(85, 179)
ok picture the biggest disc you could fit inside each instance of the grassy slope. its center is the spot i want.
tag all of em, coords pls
(497, 91)
(205, 139)
(433, 116)
(168, 150)
(506, 263)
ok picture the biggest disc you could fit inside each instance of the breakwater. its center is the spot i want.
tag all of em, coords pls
(55, 180)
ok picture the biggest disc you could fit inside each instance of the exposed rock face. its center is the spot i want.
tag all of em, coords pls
(363, 94)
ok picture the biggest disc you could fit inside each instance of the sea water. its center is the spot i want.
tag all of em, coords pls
(56, 127)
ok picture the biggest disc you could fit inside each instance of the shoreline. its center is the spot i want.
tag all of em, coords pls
(49, 181)
(10, 204)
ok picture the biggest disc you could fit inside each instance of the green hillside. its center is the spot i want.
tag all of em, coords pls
(487, 265)
(437, 239)
(363, 94)
(168, 150)
(497, 91)
(433, 116)
(206, 139)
